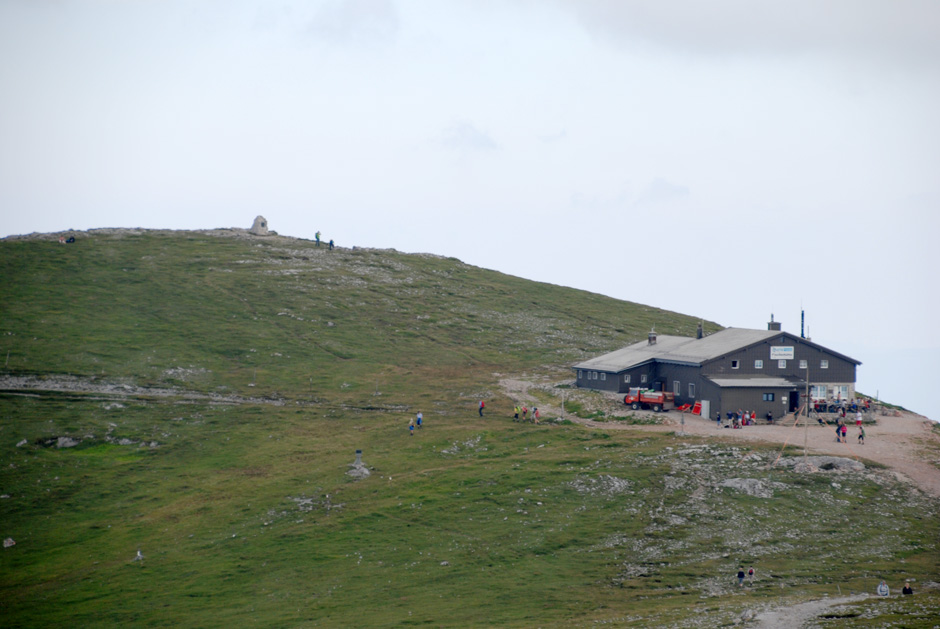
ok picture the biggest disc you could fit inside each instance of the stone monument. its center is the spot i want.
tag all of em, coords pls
(260, 227)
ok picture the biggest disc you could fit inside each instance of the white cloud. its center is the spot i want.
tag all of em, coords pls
(371, 23)
(904, 31)
(465, 137)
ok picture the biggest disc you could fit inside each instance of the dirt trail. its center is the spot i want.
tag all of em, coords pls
(905, 443)
(794, 616)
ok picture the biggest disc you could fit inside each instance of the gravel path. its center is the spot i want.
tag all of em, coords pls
(796, 616)
(906, 443)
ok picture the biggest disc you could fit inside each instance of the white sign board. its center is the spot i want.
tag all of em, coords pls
(781, 353)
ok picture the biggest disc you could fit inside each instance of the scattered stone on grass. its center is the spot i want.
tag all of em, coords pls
(823, 463)
(752, 486)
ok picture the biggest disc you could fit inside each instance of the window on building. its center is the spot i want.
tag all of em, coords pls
(824, 364)
(692, 389)
(734, 364)
(818, 391)
(758, 364)
(594, 375)
(841, 391)
(802, 364)
(676, 387)
(768, 397)
(626, 378)
(604, 377)
(781, 364)
(580, 375)
(643, 378)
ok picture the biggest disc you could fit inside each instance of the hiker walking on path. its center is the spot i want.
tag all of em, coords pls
(318, 238)
(845, 429)
(420, 418)
(411, 426)
(858, 418)
(741, 577)
(839, 432)
(525, 412)
(331, 244)
(482, 406)
(750, 575)
(861, 435)
(535, 415)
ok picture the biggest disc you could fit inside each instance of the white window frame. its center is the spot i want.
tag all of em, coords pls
(580, 374)
(824, 364)
(643, 378)
(782, 364)
(803, 364)
(603, 377)
(768, 397)
(676, 387)
(692, 390)
(626, 378)
(593, 375)
(735, 364)
(758, 364)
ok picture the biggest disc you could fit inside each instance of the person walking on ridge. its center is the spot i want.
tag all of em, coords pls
(318, 238)
(482, 406)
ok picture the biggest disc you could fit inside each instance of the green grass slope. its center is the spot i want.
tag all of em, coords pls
(218, 385)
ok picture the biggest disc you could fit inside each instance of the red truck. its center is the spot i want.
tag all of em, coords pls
(648, 399)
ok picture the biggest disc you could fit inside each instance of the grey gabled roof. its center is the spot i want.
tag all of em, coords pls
(635, 354)
(683, 349)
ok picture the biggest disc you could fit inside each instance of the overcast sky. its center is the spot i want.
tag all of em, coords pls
(726, 159)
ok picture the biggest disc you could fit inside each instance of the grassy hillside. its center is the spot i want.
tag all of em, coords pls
(217, 387)
(218, 313)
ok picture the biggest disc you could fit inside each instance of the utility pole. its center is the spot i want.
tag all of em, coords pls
(806, 414)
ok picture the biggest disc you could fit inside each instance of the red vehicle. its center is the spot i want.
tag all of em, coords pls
(648, 399)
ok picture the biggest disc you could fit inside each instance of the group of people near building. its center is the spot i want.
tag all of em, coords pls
(520, 413)
(523, 411)
(842, 430)
(740, 419)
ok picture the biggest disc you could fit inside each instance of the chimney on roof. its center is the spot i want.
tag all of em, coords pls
(773, 325)
(652, 337)
(699, 333)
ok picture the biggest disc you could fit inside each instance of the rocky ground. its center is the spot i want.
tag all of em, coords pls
(905, 442)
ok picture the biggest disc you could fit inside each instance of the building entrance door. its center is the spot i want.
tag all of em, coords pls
(794, 401)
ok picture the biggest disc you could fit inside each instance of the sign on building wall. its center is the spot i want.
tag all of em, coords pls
(781, 353)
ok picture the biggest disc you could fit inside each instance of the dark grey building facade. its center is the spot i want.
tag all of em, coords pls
(767, 371)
